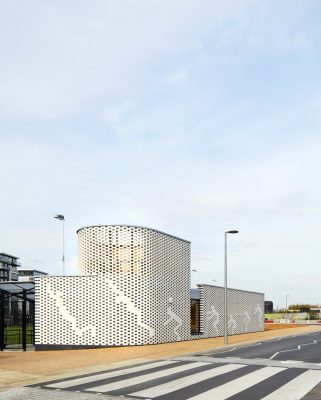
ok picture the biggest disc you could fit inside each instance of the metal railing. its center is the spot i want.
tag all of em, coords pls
(13, 337)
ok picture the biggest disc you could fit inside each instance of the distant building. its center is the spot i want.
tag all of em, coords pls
(8, 267)
(268, 307)
(29, 274)
(315, 310)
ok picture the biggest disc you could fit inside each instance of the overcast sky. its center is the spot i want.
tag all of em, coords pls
(191, 117)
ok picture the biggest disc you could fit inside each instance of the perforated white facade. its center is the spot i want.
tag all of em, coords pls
(134, 290)
(137, 291)
(245, 311)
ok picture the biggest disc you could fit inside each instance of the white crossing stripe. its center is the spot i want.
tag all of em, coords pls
(297, 387)
(181, 383)
(238, 385)
(145, 378)
(106, 375)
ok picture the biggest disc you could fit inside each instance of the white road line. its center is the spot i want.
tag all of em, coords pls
(309, 344)
(238, 385)
(286, 351)
(299, 347)
(144, 378)
(274, 355)
(290, 362)
(234, 348)
(181, 383)
(226, 351)
(253, 345)
(296, 388)
(105, 375)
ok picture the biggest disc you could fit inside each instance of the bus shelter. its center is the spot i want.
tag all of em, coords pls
(17, 315)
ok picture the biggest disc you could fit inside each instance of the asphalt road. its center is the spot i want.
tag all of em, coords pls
(306, 348)
(280, 369)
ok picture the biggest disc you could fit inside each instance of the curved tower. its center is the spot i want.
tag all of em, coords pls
(147, 273)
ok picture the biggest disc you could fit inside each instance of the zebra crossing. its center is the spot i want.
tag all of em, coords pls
(181, 379)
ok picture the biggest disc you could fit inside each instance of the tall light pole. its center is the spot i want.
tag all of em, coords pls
(62, 218)
(286, 308)
(225, 287)
(194, 270)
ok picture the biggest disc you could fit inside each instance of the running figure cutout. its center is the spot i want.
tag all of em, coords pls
(174, 317)
(215, 316)
(258, 310)
(246, 320)
(231, 325)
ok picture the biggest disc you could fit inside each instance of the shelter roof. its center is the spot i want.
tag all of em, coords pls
(16, 288)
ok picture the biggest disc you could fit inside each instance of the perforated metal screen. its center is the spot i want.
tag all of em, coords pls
(134, 290)
(139, 294)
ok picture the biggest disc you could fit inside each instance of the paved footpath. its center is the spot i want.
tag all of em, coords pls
(179, 376)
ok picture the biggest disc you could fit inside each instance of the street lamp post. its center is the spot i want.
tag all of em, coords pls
(225, 287)
(194, 270)
(60, 217)
(286, 308)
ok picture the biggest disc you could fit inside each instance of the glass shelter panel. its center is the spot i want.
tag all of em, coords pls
(17, 312)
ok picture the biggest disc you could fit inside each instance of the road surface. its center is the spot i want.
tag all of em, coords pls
(281, 369)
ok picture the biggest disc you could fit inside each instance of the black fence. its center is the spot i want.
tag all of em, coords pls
(16, 321)
(13, 336)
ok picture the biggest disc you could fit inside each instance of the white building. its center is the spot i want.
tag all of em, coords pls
(28, 274)
(134, 289)
(8, 267)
